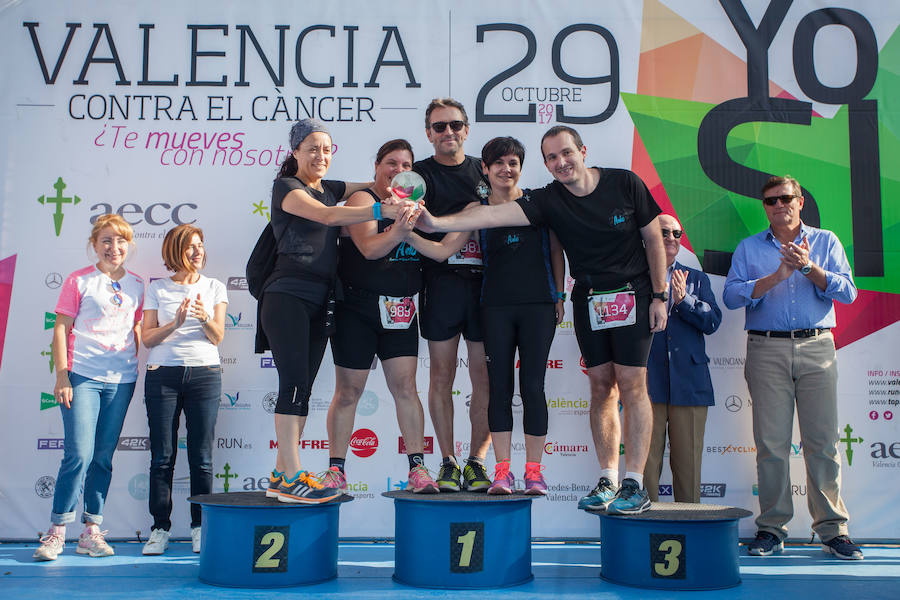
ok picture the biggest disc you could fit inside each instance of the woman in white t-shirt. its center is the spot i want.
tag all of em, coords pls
(184, 321)
(95, 349)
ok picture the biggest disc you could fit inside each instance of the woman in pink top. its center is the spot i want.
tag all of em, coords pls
(96, 335)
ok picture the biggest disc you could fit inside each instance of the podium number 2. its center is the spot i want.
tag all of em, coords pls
(270, 549)
(466, 547)
(667, 556)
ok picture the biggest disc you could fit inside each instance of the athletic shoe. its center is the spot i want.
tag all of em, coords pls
(534, 480)
(274, 482)
(600, 496)
(51, 544)
(92, 543)
(765, 544)
(333, 478)
(504, 482)
(448, 477)
(157, 544)
(475, 477)
(196, 532)
(420, 481)
(306, 489)
(843, 547)
(629, 500)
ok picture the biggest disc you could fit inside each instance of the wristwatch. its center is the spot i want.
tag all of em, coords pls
(664, 296)
(805, 269)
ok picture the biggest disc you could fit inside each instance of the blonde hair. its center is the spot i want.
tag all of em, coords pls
(114, 222)
(175, 245)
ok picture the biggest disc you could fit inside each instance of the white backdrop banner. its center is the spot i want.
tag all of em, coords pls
(171, 112)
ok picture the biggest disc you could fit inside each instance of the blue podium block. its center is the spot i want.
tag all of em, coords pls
(252, 541)
(461, 540)
(672, 546)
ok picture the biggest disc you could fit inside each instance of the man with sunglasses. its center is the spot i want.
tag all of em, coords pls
(787, 279)
(450, 300)
(606, 221)
(678, 373)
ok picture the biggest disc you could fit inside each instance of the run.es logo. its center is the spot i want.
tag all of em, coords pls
(59, 200)
(849, 440)
(225, 476)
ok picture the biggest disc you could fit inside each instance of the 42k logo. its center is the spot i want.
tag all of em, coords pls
(59, 200)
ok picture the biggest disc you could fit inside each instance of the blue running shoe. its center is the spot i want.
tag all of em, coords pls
(630, 500)
(600, 496)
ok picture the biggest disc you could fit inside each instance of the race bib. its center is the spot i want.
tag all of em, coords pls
(396, 313)
(616, 309)
(470, 254)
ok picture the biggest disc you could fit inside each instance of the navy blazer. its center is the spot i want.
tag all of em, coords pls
(678, 367)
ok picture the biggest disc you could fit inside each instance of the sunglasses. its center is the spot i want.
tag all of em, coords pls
(785, 199)
(441, 126)
(676, 233)
(117, 293)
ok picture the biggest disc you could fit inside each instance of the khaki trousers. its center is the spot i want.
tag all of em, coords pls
(780, 373)
(686, 426)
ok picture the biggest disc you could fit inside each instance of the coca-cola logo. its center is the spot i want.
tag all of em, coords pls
(363, 443)
(583, 365)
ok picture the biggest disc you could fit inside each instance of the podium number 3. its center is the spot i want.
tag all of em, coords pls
(466, 547)
(270, 549)
(667, 556)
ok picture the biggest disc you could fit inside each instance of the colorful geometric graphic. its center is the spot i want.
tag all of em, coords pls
(683, 75)
(7, 274)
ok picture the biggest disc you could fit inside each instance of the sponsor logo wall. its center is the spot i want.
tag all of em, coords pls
(146, 127)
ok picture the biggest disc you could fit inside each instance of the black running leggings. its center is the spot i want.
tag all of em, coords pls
(296, 332)
(530, 328)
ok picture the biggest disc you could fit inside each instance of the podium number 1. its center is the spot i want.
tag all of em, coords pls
(466, 547)
(668, 556)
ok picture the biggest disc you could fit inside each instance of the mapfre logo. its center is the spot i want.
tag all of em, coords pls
(363, 443)
(551, 363)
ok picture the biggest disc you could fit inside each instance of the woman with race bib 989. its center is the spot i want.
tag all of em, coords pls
(380, 275)
(305, 221)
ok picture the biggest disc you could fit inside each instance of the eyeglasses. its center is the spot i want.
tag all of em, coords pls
(785, 199)
(676, 233)
(441, 126)
(117, 293)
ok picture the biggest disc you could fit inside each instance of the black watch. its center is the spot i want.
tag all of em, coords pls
(664, 296)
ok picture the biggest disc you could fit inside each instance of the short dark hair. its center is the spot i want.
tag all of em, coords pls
(777, 180)
(499, 147)
(175, 245)
(558, 129)
(392, 145)
(444, 103)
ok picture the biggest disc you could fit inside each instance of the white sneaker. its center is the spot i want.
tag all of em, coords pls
(158, 542)
(195, 539)
(51, 544)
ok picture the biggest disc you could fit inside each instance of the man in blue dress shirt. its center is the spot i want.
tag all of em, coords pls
(678, 373)
(787, 279)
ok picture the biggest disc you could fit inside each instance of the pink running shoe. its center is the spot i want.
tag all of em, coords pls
(504, 482)
(333, 478)
(420, 481)
(534, 481)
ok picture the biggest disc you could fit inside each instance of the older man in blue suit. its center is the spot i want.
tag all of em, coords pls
(678, 374)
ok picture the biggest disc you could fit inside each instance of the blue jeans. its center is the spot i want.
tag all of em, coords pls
(92, 427)
(167, 392)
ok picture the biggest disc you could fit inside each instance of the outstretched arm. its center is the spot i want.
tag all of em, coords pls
(475, 216)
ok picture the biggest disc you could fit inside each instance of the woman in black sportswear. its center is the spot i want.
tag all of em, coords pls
(305, 221)
(522, 302)
(380, 276)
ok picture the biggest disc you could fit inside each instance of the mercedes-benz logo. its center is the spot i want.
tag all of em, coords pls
(53, 280)
(733, 403)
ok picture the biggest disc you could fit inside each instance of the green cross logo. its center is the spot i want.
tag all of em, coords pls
(59, 200)
(848, 431)
(226, 476)
(50, 354)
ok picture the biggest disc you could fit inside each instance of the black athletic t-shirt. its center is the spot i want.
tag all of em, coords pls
(307, 250)
(516, 266)
(398, 273)
(448, 190)
(600, 232)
